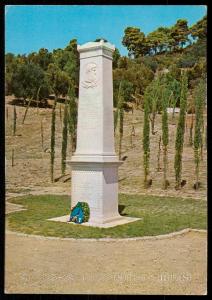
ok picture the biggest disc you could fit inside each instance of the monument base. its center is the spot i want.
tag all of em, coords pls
(94, 180)
(111, 223)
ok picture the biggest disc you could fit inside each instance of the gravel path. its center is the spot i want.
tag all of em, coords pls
(169, 265)
(174, 265)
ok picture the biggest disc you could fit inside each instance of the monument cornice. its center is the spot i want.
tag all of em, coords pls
(98, 48)
(85, 55)
(94, 47)
(93, 163)
(97, 159)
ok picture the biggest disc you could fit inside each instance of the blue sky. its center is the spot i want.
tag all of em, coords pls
(31, 27)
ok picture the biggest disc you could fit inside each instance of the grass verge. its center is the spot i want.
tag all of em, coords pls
(160, 215)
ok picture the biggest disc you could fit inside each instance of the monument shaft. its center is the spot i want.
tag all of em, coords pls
(95, 164)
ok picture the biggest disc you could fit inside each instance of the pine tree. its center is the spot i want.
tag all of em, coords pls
(180, 130)
(199, 106)
(146, 139)
(64, 139)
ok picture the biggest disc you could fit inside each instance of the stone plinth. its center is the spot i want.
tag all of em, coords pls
(116, 222)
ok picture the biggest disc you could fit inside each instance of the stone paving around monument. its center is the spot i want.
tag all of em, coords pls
(119, 221)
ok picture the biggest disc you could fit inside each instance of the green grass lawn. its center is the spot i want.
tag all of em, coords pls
(159, 215)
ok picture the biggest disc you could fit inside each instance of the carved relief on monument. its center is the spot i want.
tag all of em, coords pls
(90, 76)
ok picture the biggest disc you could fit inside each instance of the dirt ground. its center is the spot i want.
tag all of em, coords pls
(166, 266)
(175, 265)
(31, 170)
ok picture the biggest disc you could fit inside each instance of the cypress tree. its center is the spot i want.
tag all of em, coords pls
(121, 125)
(146, 139)
(124, 94)
(60, 114)
(116, 117)
(121, 116)
(201, 148)
(37, 97)
(132, 133)
(206, 137)
(13, 157)
(180, 130)
(41, 130)
(53, 138)
(199, 106)
(64, 139)
(174, 87)
(165, 134)
(203, 126)
(7, 114)
(72, 117)
(192, 108)
(154, 95)
(159, 150)
(14, 119)
(191, 130)
(26, 110)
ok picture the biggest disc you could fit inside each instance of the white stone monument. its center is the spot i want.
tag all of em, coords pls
(95, 163)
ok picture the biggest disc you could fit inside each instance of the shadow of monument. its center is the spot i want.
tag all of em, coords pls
(121, 209)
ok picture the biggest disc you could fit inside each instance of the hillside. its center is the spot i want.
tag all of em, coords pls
(31, 170)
